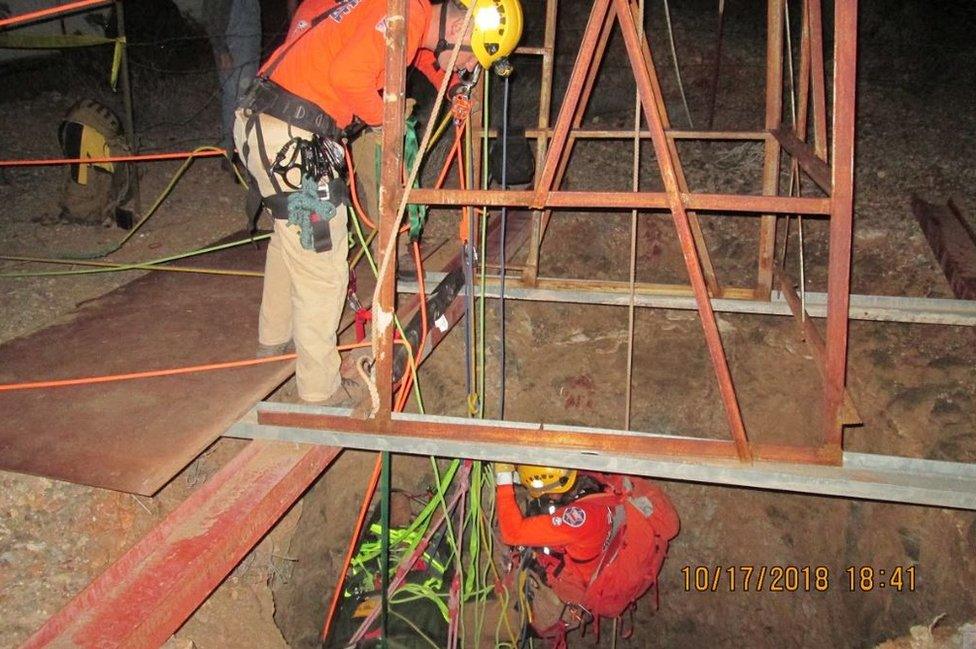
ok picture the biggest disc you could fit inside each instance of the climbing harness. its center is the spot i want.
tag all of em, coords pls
(320, 164)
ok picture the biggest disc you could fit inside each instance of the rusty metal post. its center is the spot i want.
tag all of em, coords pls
(803, 77)
(578, 115)
(391, 189)
(560, 133)
(771, 156)
(530, 272)
(818, 79)
(128, 122)
(841, 221)
(636, 48)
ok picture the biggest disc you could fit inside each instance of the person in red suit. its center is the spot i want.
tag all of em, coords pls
(601, 541)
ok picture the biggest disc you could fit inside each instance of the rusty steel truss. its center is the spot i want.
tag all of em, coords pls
(554, 146)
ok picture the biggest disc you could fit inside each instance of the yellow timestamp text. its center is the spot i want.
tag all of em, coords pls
(865, 579)
(796, 579)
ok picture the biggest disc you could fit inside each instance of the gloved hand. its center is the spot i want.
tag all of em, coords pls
(504, 473)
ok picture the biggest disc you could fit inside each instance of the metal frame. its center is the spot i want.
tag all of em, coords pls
(862, 475)
(557, 141)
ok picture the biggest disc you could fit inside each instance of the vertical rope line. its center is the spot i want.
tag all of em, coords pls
(635, 185)
(384, 545)
(482, 271)
(501, 254)
(794, 167)
(674, 59)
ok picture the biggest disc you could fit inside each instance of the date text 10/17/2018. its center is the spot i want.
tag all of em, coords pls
(797, 579)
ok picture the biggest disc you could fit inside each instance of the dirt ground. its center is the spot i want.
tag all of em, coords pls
(915, 385)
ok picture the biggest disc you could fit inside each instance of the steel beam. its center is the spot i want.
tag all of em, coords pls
(622, 200)
(863, 476)
(145, 596)
(876, 308)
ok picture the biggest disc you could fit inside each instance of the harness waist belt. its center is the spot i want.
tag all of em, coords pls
(265, 96)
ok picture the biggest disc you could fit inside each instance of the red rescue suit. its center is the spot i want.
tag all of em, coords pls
(613, 542)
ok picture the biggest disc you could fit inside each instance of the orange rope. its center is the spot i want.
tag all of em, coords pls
(353, 541)
(354, 193)
(122, 158)
(52, 11)
(455, 148)
(91, 380)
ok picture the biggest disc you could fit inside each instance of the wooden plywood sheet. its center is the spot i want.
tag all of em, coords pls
(135, 436)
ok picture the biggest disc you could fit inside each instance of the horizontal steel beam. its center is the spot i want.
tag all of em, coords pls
(862, 476)
(625, 134)
(584, 200)
(880, 308)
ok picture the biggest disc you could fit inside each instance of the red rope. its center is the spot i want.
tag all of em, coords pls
(52, 11)
(91, 380)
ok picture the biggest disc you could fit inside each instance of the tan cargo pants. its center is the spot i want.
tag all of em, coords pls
(304, 291)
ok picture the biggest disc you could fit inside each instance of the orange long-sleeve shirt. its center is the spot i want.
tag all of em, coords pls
(579, 529)
(340, 65)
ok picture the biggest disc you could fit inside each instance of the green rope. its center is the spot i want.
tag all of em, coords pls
(385, 481)
(155, 206)
(145, 265)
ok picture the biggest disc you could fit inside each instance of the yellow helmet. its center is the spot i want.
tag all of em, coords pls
(541, 480)
(497, 29)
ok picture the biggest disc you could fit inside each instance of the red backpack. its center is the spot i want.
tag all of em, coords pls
(644, 522)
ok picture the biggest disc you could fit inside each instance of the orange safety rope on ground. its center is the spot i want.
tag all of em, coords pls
(51, 11)
(145, 157)
(91, 380)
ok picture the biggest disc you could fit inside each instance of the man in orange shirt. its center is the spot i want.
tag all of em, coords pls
(321, 88)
